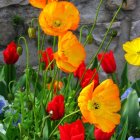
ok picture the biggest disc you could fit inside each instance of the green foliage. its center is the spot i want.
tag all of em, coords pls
(137, 87)
(89, 131)
(124, 130)
(124, 79)
(130, 109)
(3, 137)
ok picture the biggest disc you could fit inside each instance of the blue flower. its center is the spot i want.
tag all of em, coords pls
(3, 103)
(126, 93)
(16, 122)
(132, 138)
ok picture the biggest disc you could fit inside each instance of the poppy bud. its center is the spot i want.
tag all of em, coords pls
(19, 50)
(90, 39)
(31, 32)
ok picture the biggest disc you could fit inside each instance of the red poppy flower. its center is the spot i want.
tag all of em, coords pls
(100, 135)
(108, 62)
(73, 131)
(56, 107)
(10, 53)
(86, 75)
(47, 56)
(79, 72)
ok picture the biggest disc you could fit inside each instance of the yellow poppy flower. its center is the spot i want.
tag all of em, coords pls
(132, 49)
(70, 53)
(59, 17)
(100, 107)
(38, 3)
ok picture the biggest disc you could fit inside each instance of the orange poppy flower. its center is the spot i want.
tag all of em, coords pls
(38, 3)
(70, 53)
(100, 107)
(59, 17)
(52, 1)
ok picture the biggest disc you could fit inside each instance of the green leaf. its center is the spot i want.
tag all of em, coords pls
(95, 63)
(123, 134)
(46, 131)
(2, 73)
(130, 108)
(20, 84)
(89, 131)
(124, 79)
(3, 137)
(10, 73)
(3, 89)
(137, 87)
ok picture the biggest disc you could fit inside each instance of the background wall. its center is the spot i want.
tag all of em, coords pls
(127, 24)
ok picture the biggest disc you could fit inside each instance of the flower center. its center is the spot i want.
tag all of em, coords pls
(138, 53)
(93, 105)
(57, 23)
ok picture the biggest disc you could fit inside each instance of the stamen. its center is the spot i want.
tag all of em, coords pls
(57, 23)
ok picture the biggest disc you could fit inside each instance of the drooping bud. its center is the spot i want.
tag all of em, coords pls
(19, 50)
(90, 39)
(32, 32)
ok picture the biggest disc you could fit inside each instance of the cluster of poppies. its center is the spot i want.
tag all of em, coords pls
(99, 103)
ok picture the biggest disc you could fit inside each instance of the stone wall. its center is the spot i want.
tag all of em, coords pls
(127, 24)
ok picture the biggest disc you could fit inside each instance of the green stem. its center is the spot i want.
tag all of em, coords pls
(93, 26)
(27, 51)
(27, 63)
(54, 42)
(10, 85)
(38, 62)
(81, 31)
(102, 43)
(19, 125)
(63, 120)
(33, 19)
(97, 69)
(106, 48)
(114, 78)
(43, 124)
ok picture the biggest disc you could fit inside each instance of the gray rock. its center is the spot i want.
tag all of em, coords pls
(7, 29)
(113, 4)
(33, 54)
(135, 30)
(7, 33)
(127, 24)
(88, 11)
(133, 73)
(24, 2)
(5, 3)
